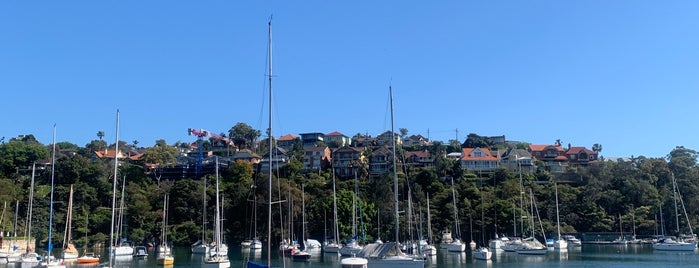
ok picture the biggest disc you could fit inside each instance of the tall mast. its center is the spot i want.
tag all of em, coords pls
(674, 198)
(558, 217)
(395, 167)
(269, 130)
(31, 204)
(53, 169)
(116, 165)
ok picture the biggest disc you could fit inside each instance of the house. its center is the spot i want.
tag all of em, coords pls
(380, 161)
(316, 158)
(416, 140)
(385, 139)
(109, 153)
(553, 156)
(278, 159)
(518, 159)
(247, 155)
(311, 139)
(419, 159)
(363, 141)
(336, 139)
(344, 159)
(287, 141)
(479, 159)
(580, 155)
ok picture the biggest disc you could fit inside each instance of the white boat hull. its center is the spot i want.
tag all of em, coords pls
(675, 246)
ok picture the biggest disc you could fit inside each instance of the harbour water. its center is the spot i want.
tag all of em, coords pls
(630, 256)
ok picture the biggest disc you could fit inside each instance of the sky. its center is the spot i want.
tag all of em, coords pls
(623, 74)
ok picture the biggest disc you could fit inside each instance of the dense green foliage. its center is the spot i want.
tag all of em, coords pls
(591, 198)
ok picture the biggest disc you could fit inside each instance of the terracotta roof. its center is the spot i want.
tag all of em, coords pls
(561, 158)
(467, 154)
(542, 147)
(287, 137)
(334, 133)
(107, 154)
(577, 150)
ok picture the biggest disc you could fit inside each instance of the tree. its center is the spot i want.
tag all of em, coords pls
(597, 148)
(403, 132)
(161, 154)
(475, 141)
(17, 154)
(243, 135)
(100, 134)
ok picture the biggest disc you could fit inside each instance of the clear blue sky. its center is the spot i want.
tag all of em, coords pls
(624, 74)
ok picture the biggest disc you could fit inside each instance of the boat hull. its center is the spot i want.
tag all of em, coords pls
(677, 246)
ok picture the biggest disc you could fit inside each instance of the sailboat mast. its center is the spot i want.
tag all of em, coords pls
(337, 229)
(269, 201)
(53, 169)
(395, 168)
(116, 165)
(558, 218)
(674, 195)
(69, 216)
(31, 204)
(429, 224)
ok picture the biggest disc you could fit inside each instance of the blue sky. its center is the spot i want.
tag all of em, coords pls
(619, 73)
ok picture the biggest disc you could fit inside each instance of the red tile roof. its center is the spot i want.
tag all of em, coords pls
(466, 155)
(334, 133)
(543, 147)
(578, 149)
(287, 137)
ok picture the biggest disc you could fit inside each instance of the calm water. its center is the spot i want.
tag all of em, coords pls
(588, 256)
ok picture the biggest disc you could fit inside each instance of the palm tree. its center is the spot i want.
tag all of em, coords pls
(100, 134)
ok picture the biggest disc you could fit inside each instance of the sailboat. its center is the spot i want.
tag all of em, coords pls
(13, 254)
(530, 245)
(302, 255)
(200, 247)
(254, 243)
(69, 250)
(622, 239)
(482, 252)
(388, 255)
(30, 257)
(87, 257)
(122, 248)
(352, 247)
(426, 246)
(670, 243)
(456, 244)
(251, 264)
(165, 257)
(215, 260)
(560, 242)
(50, 261)
(334, 245)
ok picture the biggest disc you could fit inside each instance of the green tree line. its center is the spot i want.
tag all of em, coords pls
(591, 198)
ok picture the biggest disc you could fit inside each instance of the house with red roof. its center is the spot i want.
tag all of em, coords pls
(553, 156)
(478, 159)
(287, 141)
(419, 159)
(580, 155)
(336, 139)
